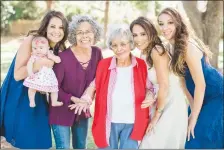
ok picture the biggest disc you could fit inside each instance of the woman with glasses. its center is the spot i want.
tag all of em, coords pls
(75, 73)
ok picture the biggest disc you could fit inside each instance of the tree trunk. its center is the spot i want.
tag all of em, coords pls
(207, 25)
(49, 4)
(106, 12)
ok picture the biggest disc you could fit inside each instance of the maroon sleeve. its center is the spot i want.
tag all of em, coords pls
(59, 72)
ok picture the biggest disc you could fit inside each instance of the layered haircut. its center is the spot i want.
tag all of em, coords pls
(120, 31)
(74, 24)
(153, 37)
(42, 31)
(181, 38)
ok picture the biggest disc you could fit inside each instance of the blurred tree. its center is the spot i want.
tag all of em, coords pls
(26, 10)
(106, 11)
(6, 12)
(142, 6)
(97, 11)
(71, 11)
(49, 4)
(207, 25)
(157, 7)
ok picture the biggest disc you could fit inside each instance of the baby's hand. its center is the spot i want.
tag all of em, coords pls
(53, 57)
(57, 59)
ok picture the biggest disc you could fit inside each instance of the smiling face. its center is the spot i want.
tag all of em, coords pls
(140, 36)
(167, 26)
(121, 47)
(85, 35)
(55, 31)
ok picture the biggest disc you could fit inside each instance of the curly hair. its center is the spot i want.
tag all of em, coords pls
(181, 41)
(74, 24)
(152, 35)
(42, 31)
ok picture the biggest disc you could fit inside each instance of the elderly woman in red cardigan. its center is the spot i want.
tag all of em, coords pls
(121, 85)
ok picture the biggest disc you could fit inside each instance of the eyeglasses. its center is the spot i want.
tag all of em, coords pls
(122, 45)
(81, 33)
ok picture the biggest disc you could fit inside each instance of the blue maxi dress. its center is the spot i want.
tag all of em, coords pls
(209, 127)
(24, 127)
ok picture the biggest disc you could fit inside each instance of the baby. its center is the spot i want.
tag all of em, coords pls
(44, 80)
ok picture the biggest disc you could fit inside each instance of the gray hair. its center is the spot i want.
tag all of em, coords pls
(120, 31)
(74, 24)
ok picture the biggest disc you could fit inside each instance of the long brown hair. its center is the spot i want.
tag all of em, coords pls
(181, 38)
(42, 31)
(152, 35)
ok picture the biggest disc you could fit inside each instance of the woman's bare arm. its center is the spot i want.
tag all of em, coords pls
(193, 60)
(30, 67)
(22, 57)
(162, 73)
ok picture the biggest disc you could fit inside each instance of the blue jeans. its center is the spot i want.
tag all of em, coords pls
(79, 135)
(120, 133)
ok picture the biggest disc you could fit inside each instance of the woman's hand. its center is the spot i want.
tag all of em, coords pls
(149, 100)
(78, 100)
(79, 106)
(152, 124)
(192, 120)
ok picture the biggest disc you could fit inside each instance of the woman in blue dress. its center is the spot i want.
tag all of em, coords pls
(203, 83)
(26, 127)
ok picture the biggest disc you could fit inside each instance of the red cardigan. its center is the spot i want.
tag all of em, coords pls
(141, 115)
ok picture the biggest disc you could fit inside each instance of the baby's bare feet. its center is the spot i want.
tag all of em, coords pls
(32, 104)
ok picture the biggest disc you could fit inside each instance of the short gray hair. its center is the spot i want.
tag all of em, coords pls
(74, 24)
(120, 31)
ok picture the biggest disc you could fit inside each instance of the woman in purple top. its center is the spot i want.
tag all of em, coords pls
(75, 72)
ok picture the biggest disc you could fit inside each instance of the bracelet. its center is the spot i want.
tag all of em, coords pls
(159, 110)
